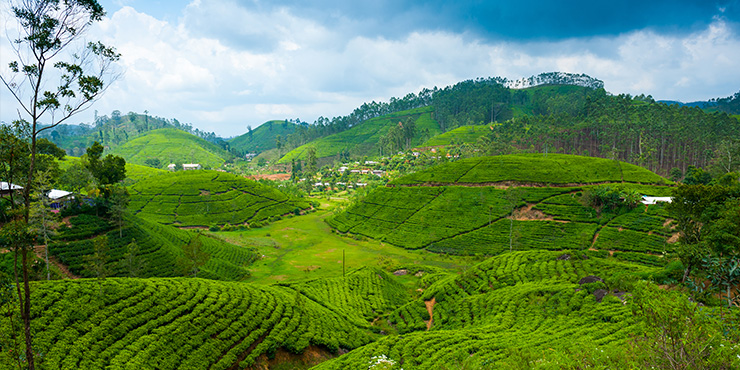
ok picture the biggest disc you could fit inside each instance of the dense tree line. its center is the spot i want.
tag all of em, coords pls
(637, 130)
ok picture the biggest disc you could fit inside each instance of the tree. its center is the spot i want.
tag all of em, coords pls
(194, 257)
(132, 262)
(46, 28)
(119, 199)
(76, 178)
(109, 170)
(43, 221)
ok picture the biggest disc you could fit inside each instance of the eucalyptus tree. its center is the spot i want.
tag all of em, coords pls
(53, 76)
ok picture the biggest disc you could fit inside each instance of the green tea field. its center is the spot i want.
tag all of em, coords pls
(204, 198)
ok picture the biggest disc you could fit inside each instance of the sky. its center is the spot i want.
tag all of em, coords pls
(224, 64)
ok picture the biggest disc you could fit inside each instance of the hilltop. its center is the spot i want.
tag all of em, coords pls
(263, 137)
(204, 198)
(169, 145)
(492, 204)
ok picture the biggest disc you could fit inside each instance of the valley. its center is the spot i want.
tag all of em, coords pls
(435, 236)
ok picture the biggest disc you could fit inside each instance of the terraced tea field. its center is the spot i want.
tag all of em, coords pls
(462, 208)
(204, 198)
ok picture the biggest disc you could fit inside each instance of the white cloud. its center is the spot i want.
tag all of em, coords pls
(221, 66)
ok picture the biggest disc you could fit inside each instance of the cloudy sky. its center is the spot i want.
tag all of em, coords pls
(225, 64)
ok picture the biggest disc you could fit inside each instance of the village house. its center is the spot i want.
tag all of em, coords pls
(191, 166)
(6, 189)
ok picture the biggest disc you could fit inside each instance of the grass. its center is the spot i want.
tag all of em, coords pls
(170, 145)
(304, 247)
(362, 139)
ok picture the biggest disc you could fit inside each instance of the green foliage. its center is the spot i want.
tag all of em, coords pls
(203, 198)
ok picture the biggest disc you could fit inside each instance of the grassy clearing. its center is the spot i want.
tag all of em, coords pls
(304, 247)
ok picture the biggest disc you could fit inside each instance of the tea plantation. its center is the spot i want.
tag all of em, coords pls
(521, 300)
(178, 323)
(204, 198)
(462, 208)
(160, 249)
(170, 145)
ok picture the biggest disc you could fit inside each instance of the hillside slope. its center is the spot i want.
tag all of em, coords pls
(169, 145)
(463, 207)
(204, 198)
(521, 301)
(364, 138)
(180, 324)
(160, 250)
(263, 137)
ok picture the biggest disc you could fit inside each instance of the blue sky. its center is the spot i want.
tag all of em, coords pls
(222, 65)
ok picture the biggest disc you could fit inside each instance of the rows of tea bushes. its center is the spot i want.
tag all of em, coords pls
(463, 208)
(361, 296)
(176, 323)
(421, 216)
(204, 198)
(516, 300)
(160, 249)
(533, 168)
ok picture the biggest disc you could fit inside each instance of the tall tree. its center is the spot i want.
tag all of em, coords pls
(47, 28)
(194, 257)
(43, 221)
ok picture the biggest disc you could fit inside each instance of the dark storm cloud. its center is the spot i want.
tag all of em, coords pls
(520, 20)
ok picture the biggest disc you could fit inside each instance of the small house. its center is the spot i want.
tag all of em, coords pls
(59, 198)
(654, 200)
(191, 166)
(171, 166)
(6, 188)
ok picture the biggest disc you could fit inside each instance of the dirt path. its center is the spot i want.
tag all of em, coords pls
(40, 251)
(430, 308)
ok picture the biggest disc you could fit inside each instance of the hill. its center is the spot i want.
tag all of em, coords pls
(366, 138)
(204, 198)
(200, 324)
(160, 249)
(263, 137)
(463, 207)
(475, 320)
(169, 145)
(533, 168)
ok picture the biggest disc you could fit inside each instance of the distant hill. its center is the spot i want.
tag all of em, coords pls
(160, 247)
(203, 198)
(462, 208)
(263, 137)
(169, 145)
(367, 138)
